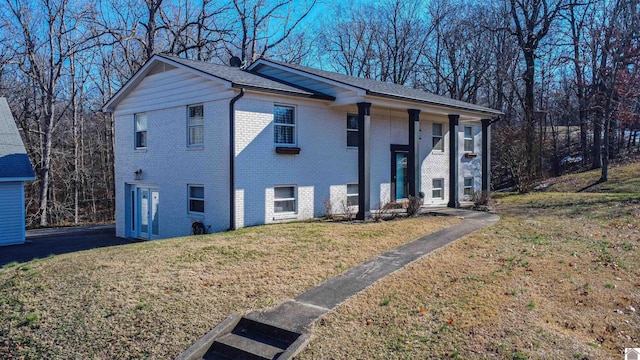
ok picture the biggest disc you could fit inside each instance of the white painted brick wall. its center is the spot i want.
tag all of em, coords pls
(170, 166)
(436, 163)
(470, 167)
(324, 160)
(320, 172)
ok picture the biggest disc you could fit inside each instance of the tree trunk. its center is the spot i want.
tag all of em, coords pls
(46, 163)
(529, 114)
(597, 143)
(606, 150)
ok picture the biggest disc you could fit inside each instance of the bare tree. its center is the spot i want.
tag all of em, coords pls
(402, 37)
(576, 17)
(620, 47)
(44, 55)
(531, 21)
(192, 30)
(264, 25)
(459, 51)
(348, 43)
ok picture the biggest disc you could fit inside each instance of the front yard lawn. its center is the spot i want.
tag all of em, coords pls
(558, 277)
(154, 299)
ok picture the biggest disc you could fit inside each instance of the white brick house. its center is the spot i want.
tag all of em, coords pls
(300, 136)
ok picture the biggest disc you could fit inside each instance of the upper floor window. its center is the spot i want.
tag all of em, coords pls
(284, 129)
(141, 130)
(195, 124)
(352, 130)
(437, 142)
(468, 138)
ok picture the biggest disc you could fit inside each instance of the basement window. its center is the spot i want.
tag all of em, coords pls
(468, 187)
(284, 199)
(437, 189)
(352, 194)
(196, 199)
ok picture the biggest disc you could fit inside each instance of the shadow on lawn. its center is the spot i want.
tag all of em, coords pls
(42, 243)
(573, 206)
(590, 186)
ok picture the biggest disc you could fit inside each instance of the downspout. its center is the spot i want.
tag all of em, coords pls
(232, 161)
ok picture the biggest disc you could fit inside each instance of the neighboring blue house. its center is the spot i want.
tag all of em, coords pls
(15, 169)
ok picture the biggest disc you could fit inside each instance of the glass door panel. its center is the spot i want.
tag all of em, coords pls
(400, 179)
(143, 210)
(155, 198)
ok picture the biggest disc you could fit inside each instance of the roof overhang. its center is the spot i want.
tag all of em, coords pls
(402, 104)
(265, 62)
(428, 106)
(144, 71)
(362, 94)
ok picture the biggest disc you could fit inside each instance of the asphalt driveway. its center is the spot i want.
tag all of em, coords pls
(55, 241)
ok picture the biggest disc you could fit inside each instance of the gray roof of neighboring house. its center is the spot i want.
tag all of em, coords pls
(247, 79)
(14, 161)
(385, 89)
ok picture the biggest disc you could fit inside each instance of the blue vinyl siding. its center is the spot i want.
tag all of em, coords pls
(12, 213)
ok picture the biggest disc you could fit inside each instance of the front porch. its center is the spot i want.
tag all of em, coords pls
(405, 179)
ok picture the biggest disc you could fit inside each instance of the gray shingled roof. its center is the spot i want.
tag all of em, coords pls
(14, 161)
(385, 89)
(243, 78)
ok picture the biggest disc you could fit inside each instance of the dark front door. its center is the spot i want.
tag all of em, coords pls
(399, 178)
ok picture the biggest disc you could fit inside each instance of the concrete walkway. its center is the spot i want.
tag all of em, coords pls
(301, 311)
(237, 335)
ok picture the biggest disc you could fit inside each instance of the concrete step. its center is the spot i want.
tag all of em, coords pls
(266, 333)
(232, 346)
(251, 339)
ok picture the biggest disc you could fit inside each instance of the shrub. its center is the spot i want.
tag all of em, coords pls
(347, 211)
(480, 199)
(413, 207)
(383, 211)
(328, 210)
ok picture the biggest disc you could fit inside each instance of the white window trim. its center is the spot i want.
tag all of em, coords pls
(294, 125)
(441, 136)
(465, 138)
(352, 195)
(351, 130)
(294, 198)
(465, 187)
(189, 126)
(436, 188)
(189, 198)
(135, 131)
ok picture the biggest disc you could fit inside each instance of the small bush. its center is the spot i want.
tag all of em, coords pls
(384, 212)
(480, 198)
(328, 209)
(413, 207)
(347, 211)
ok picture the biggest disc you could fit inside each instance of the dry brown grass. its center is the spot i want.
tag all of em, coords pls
(557, 278)
(154, 299)
(623, 178)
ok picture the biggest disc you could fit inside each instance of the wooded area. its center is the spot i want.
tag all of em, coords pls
(564, 72)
